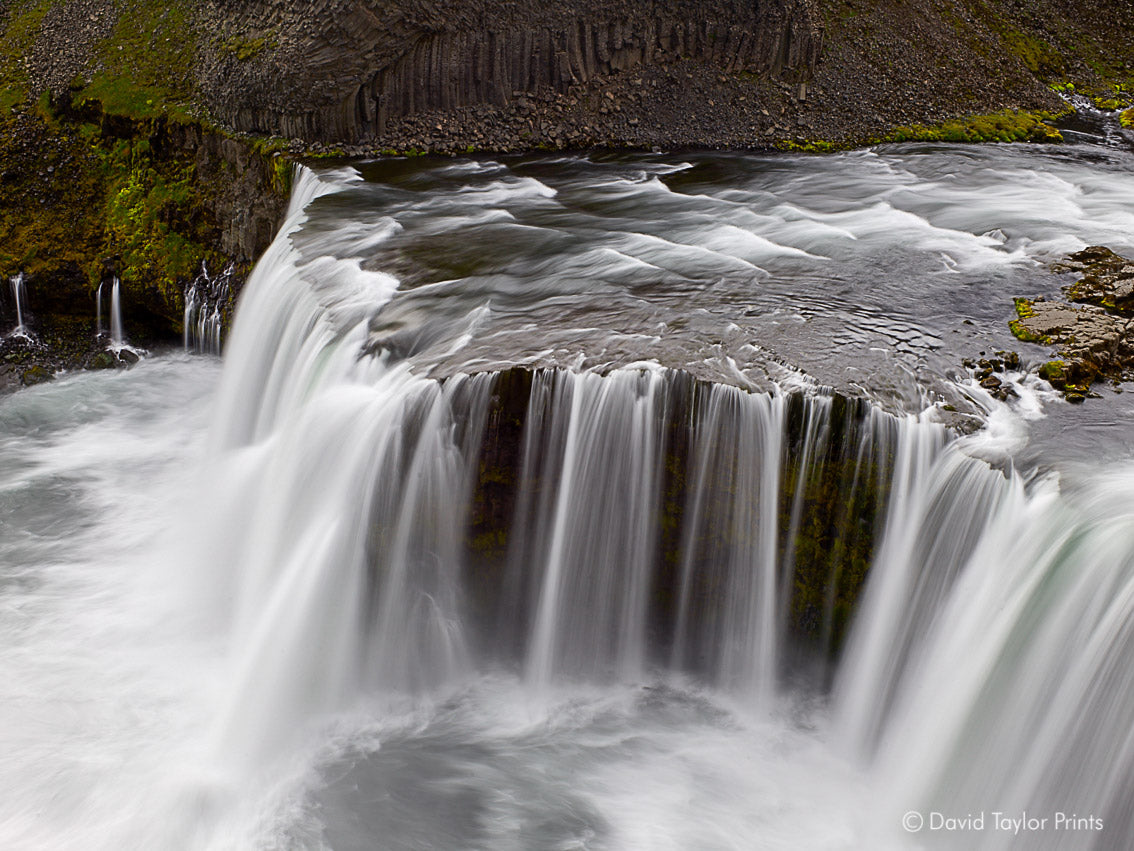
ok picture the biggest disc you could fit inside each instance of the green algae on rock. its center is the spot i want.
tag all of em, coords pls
(1093, 330)
(1007, 126)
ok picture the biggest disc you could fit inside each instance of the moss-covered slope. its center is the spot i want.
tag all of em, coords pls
(117, 171)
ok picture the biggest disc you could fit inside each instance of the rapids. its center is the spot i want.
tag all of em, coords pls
(589, 503)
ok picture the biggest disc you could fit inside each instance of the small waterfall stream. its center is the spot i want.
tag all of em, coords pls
(206, 299)
(19, 297)
(117, 335)
(98, 310)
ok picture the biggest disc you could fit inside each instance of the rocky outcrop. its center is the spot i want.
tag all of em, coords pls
(1094, 330)
(461, 69)
(444, 75)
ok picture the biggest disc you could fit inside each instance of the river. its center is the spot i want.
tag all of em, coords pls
(530, 508)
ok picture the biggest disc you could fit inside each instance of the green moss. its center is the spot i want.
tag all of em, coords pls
(36, 375)
(391, 152)
(1039, 56)
(245, 48)
(1127, 118)
(496, 474)
(811, 146)
(1019, 329)
(1024, 307)
(1054, 372)
(10, 95)
(146, 63)
(152, 221)
(18, 38)
(1109, 104)
(1008, 126)
(494, 541)
(283, 171)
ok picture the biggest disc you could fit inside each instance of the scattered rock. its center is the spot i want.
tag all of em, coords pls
(1108, 279)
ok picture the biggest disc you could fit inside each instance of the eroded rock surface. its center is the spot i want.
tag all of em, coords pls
(1093, 331)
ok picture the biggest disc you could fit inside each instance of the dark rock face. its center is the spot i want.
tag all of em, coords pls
(241, 199)
(365, 76)
(462, 69)
(442, 75)
(358, 67)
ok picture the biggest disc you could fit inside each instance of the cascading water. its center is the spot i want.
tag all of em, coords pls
(98, 310)
(117, 335)
(434, 596)
(206, 298)
(19, 296)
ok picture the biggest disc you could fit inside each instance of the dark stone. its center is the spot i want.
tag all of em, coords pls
(103, 360)
(36, 375)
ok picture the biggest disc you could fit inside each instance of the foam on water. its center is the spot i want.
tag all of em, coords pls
(240, 611)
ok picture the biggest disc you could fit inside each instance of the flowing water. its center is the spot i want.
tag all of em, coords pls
(206, 299)
(19, 297)
(530, 509)
(117, 335)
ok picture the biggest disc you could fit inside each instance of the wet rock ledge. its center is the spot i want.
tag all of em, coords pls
(1093, 330)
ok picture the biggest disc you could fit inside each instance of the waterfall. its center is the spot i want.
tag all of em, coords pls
(19, 296)
(117, 337)
(382, 533)
(379, 531)
(991, 670)
(98, 311)
(206, 300)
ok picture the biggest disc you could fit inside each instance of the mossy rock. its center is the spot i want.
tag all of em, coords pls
(1054, 372)
(104, 360)
(1007, 126)
(1092, 328)
(36, 375)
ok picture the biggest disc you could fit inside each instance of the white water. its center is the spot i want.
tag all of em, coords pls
(279, 646)
(117, 335)
(19, 296)
(205, 300)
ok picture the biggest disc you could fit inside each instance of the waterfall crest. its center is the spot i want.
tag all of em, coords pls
(394, 532)
(385, 532)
